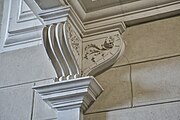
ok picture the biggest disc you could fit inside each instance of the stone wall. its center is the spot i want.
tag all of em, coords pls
(1, 13)
(144, 84)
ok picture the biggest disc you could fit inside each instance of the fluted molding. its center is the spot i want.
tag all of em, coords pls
(63, 48)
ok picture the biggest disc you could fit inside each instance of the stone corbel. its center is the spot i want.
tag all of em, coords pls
(76, 58)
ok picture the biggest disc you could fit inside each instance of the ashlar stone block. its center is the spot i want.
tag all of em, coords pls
(117, 90)
(156, 82)
(25, 65)
(168, 111)
(16, 102)
(153, 40)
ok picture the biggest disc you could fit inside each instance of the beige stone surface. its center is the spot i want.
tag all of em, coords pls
(25, 65)
(117, 91)
(169, 111)
(16, 102)
(157, 81)
(41, 109)
(121, 61)
(153, 40)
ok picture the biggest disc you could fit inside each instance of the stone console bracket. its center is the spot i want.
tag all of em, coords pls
(75, 56)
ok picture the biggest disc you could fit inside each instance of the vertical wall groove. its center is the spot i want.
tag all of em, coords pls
(32, 108)
(131, 86)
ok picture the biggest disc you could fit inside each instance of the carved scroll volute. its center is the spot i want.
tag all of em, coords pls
(101, 51)
(59, 40)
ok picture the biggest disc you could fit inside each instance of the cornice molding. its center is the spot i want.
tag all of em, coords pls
(133, 13)
(20, 27)
(126, 9)
(67, 10)
(24, 22)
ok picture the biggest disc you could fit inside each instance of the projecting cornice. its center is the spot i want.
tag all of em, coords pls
(88, 22)
(133, 12)
(60, 14)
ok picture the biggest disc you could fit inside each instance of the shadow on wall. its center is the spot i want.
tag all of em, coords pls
(115, 98)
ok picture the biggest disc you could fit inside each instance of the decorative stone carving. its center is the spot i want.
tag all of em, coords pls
(92, 51)
(74, 90)
(64, 48)
(101, 51)
(59, 40)
(75, 42)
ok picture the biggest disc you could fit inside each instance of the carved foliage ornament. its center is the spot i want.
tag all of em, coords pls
(75, 41)
(92, 51)
(101, 52)
(64, 48)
